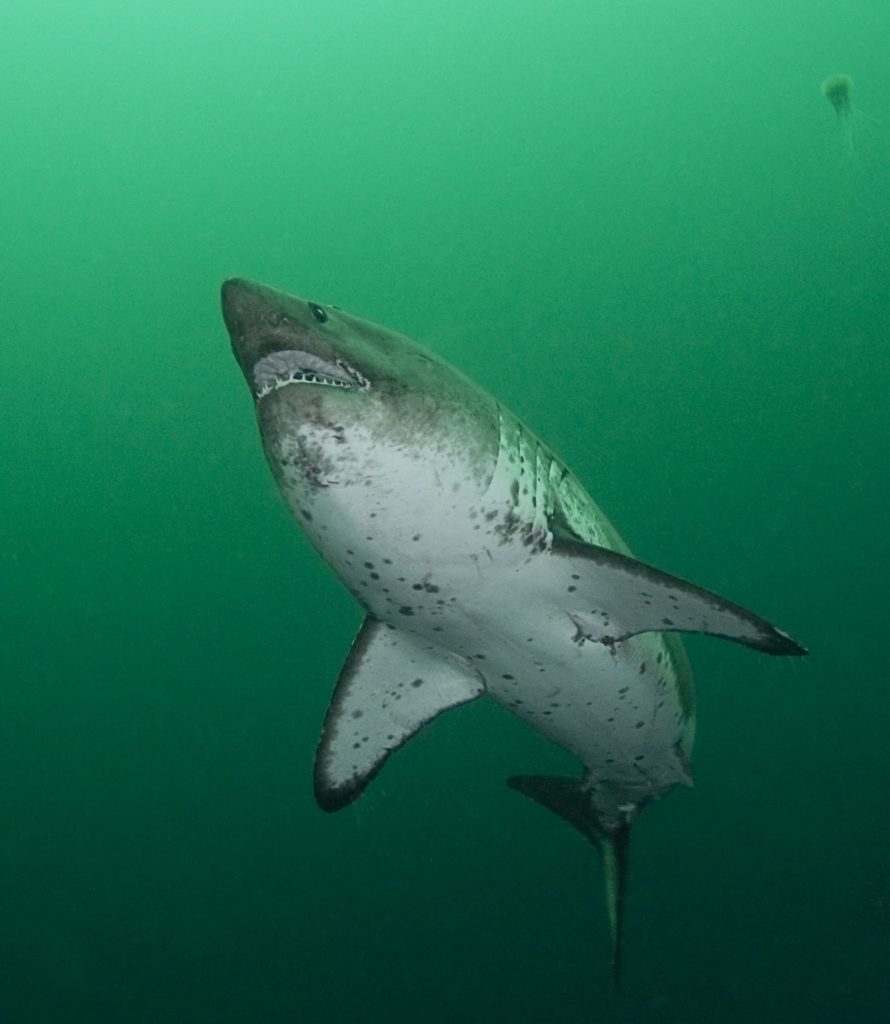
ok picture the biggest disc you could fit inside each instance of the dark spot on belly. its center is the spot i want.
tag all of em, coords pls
(406, 609)
(668, 622)
(417, 682)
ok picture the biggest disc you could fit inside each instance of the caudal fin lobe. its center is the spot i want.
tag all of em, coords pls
(567, 798)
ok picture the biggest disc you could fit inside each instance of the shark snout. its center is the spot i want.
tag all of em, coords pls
(257, 321)
(237, 298)
(244, 312)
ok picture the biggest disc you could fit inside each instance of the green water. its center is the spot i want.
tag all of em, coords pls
(638, 225)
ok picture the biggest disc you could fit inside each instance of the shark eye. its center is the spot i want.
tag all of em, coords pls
(318, 312)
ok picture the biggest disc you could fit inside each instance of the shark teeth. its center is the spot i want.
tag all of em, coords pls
(292, 366)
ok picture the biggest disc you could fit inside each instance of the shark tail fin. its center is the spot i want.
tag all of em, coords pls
(568, 798)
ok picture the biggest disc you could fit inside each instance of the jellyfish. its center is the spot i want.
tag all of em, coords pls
(837, 90)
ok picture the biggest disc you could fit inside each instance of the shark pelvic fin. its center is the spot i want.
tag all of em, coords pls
(568, 798)
(391, 685)
(610, 596)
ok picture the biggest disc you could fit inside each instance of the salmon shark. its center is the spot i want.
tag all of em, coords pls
(483, 567)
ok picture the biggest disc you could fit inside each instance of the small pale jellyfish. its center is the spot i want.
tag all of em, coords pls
(837, 90)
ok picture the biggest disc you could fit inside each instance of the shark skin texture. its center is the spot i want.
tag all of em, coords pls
(484, 569)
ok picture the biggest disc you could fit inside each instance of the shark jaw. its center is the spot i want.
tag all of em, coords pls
(292, 366)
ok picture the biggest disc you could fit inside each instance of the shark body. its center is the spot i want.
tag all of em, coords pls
(483, 566)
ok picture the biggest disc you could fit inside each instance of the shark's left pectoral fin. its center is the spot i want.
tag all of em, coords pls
(392, 684)
(611, 596)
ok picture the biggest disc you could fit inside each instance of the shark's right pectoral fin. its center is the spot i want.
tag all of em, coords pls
(392, 684)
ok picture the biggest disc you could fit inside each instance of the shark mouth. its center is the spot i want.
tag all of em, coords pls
(281, 369)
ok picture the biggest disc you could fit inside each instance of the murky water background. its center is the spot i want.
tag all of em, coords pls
(638, 225)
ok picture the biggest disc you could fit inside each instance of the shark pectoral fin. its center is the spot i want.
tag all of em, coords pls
(611, 596)
(391, 684)
(568, 798)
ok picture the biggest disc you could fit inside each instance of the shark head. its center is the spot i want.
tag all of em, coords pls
(281, 341)
(343, 403)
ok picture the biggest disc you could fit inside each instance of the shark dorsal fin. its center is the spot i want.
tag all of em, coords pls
(391, 685)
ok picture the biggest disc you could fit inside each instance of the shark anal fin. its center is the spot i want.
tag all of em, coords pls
(569, 799)
(391, 685)
(611, 596)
